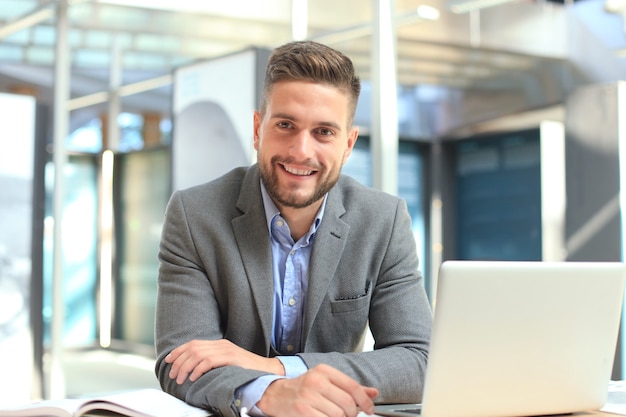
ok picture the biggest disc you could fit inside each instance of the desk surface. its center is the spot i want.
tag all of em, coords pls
(580, 414)
(591, 414)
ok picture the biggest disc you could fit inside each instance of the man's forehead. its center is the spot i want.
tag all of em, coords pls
(286, 103)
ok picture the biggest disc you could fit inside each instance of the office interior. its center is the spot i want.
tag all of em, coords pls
(500, 122)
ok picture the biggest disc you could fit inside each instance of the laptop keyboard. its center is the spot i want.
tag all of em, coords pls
(416, 411)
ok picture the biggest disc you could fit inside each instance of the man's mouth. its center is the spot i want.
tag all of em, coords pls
(298, 171)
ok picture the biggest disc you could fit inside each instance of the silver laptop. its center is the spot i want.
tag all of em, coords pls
(520, 339)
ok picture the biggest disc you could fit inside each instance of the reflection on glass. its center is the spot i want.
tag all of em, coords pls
(79, 237)
(87, 138)
(131, 136)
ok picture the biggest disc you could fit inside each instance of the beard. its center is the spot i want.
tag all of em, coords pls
(294, 198)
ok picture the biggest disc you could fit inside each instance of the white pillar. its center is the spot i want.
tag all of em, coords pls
(56, 377)
(107, 298)
(299, 19)
(114, 102)
(384, 128)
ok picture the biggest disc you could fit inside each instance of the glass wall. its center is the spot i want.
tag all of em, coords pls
(412, 187)
(498, 197)
(142, 192)
(142, 184)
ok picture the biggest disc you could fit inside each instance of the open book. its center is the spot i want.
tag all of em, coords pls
(139, 403)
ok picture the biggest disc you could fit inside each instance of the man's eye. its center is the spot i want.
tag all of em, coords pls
(285, 125)
(325, 132)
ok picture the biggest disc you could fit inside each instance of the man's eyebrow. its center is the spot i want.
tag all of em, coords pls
(295, 119)
(282, 116)
(331, 124)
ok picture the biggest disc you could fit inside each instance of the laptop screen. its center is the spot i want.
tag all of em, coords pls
(522, 338)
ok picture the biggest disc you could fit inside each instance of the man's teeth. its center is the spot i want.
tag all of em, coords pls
(297, 171)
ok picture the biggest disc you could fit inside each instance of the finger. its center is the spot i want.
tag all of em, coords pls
(181, 367)
(363, 399)
(177, 372)
(372, 393)
(192, 365)
(174, 354)
(201, 361)
(303, 396)
(358, 395)
(193, 359)
(200, 369)
(182, 375)
(176, 363)
(343, 400)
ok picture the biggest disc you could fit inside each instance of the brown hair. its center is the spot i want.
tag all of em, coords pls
(312, 61)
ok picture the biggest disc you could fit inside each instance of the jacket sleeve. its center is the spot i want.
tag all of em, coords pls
(187, 308)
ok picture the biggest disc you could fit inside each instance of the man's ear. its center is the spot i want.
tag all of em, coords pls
(352, 137)
(257, 126)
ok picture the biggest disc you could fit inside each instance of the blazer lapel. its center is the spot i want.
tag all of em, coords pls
(252, 237)
(330, 241)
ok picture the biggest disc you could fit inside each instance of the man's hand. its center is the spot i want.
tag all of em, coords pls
(322, 391)
(192, 359)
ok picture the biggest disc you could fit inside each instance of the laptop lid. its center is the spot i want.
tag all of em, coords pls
(522, 338)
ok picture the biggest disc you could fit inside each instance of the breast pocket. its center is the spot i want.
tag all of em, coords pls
(349, 305)
(352, 302)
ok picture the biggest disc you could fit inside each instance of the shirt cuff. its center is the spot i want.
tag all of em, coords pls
(251, 393)
(294, 365)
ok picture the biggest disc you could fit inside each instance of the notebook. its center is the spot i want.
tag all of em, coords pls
(520, 339)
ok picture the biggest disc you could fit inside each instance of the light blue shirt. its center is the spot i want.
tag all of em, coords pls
(290, 262)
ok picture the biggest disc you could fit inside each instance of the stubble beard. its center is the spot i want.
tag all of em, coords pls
(288, 198)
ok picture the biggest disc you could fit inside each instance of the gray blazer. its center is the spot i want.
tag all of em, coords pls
(215, 281)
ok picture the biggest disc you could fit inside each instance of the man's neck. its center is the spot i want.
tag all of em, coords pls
(300, 219)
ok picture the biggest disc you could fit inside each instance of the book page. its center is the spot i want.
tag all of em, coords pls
(49, 408)
(138, 403)
(143, 403)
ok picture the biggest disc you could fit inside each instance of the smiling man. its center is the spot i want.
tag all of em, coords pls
(270, 275)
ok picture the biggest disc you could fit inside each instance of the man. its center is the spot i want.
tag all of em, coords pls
(271, 274)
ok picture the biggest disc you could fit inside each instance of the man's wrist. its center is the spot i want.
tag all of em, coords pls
(277, 367)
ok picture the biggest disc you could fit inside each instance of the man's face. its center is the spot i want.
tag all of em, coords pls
(302, 141)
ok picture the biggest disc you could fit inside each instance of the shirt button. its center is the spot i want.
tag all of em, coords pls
(292, 301)
(289, 348)
(237, 403)
(279, 223)
(292, 253)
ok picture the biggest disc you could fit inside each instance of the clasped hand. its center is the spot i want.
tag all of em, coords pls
(321, 391)
(192, 359)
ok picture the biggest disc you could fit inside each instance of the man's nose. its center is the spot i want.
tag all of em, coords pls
(302, 144)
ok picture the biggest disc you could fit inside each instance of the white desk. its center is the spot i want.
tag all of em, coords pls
(582, 414)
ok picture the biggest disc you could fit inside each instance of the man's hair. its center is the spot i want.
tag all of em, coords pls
(312, 61)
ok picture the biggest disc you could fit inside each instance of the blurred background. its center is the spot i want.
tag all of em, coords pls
(499, 122)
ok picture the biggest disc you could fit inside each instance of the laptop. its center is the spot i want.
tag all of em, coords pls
(520, 339)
